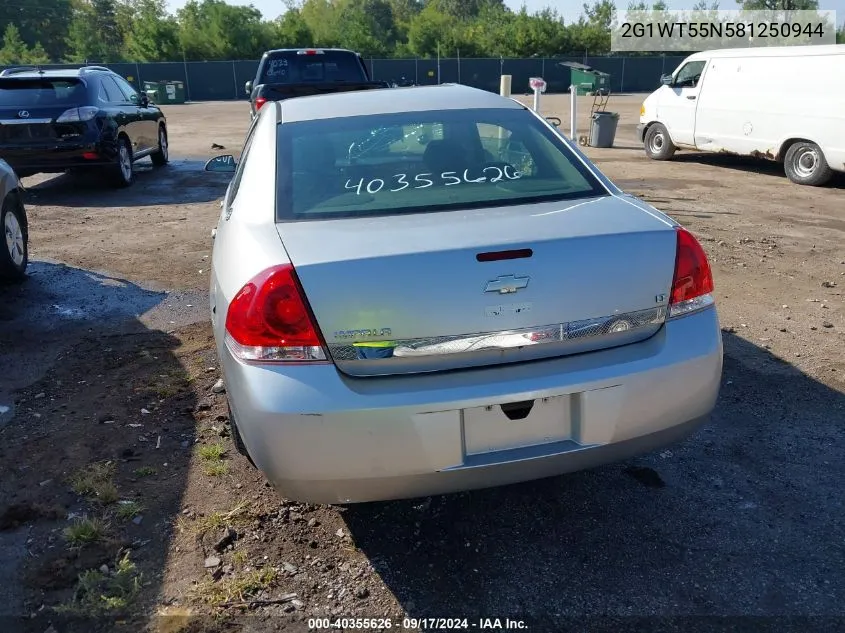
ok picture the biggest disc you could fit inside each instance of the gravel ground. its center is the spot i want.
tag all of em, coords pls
(109, 370)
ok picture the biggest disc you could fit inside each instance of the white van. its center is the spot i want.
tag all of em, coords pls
(785, 104)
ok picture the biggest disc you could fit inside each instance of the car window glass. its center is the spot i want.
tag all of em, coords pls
(109, 92)
(689, 75)
(239, 172)
(423, 161)
(500, 146)
(41, 92)
(128, 91)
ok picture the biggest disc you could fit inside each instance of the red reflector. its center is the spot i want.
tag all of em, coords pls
(90, 155)
(259, 101)
(693, 277)
(497, 256)
(271, 311)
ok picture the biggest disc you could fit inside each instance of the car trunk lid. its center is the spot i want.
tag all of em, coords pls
(437, 291)
(30, 107)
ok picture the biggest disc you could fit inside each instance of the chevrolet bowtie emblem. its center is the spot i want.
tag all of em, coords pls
(506, 284)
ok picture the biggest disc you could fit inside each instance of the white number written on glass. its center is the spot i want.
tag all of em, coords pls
(399, 182)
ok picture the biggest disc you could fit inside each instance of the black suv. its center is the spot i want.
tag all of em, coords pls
(91, 117)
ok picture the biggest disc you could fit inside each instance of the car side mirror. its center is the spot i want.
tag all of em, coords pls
(248, 87)
(144, 100)
(666, 80)
(222, 164)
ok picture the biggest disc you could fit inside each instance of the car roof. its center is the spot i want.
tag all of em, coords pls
(54, 73)
(771, 51)
(309, 48)
(390, 101)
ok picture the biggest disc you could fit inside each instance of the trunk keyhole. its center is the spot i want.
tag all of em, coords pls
(517, 410)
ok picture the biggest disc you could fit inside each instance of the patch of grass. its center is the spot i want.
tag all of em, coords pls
(212, 452)
(99, 594)
(170, 384)
(239, 515)
(129, 510)
(216, 469)
(212, 459)
(239, 558)
(145, 471)
(84, 532)
(238, 588)
(96, 481)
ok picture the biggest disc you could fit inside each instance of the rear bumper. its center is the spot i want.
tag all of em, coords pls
(322, 437)
(55, 156)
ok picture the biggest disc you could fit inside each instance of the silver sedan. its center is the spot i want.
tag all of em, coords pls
(425, 290)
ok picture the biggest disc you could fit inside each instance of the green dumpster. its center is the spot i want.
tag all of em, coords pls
(153, 91)
(162, 92)
(587, 80)
(174, 91)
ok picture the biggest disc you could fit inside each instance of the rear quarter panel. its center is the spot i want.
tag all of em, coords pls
(247, 242)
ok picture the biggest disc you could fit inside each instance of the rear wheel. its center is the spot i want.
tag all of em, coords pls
(658, 145)
(14, 251)
(121, 172)
(805, 164)
(161, 156)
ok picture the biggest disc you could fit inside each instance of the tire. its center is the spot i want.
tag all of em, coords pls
(14, 247)
(805, 164)
(658, 145)
(122, 174)
(237, 440)
(162, 156)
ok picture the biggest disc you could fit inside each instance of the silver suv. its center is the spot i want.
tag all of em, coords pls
(14, 253)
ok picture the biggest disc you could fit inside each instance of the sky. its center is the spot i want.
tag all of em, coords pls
(569, 9)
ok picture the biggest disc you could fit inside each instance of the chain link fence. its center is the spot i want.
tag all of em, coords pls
(224, 80)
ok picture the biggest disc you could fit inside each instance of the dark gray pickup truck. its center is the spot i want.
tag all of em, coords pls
(299, 72)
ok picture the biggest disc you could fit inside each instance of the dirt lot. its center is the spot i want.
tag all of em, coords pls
(124, 506)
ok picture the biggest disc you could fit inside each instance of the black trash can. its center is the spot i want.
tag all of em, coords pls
(603, 129)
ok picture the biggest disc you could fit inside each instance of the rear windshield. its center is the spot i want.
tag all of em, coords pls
(423, 161)
(293, 68)
(41, 92)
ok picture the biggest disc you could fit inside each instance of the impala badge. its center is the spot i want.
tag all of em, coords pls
(506, 284)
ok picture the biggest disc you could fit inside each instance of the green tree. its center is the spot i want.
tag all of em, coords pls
(292, 30)
(38, 55)
(592, 32)
(93, 32)
(38, 20)
(778, 5)
(149, 32)
(465, 9)
(215, 30)
(542, 34)
(321, 18)
(432, 31)
(368, 26)
(14, 49)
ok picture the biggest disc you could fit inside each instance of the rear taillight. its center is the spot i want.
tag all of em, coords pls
(692, 284)
(269, 320)
(85, 113)
(259, 101)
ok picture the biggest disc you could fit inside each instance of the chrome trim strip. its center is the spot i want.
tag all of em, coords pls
(593, 331)
(23, 121)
